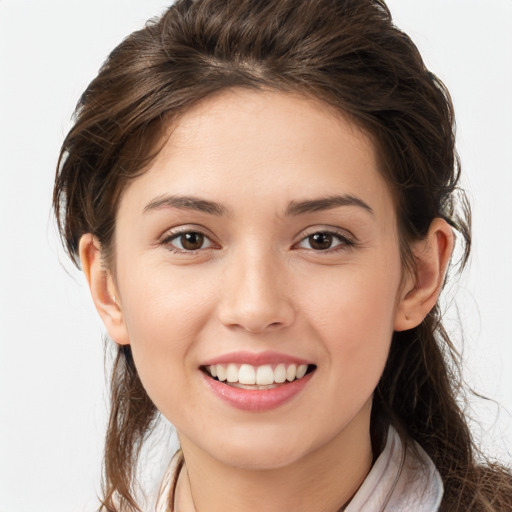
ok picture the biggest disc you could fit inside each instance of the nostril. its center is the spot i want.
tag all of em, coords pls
(254, 328)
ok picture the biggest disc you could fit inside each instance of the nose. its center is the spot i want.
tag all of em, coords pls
(256, 295)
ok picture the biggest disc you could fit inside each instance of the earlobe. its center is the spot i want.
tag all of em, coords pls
(102, 288)
(421, 291)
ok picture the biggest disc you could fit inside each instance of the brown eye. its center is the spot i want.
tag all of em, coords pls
(190, 241)
(325, 240)
(320, 241)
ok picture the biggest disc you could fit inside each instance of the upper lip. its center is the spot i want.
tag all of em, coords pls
(255, 358)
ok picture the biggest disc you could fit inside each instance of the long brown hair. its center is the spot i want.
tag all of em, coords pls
(348, 54)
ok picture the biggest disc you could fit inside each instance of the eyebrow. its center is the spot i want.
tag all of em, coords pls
(186, 203)
(326, 203)
(294, 208)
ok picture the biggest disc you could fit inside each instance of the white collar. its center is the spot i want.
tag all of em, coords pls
(399, 481)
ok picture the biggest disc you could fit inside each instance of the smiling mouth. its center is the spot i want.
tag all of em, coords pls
(247, 376)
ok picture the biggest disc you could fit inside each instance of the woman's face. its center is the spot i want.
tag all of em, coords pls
(262, 239)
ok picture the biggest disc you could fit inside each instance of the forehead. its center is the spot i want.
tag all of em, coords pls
(269, 146)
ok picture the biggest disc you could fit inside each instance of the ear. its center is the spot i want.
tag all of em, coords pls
(103, 290)
(421, 290)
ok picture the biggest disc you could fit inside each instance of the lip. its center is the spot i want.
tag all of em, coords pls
(256, 359)
(256, 400)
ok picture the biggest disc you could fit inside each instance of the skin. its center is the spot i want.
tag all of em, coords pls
(258, 283)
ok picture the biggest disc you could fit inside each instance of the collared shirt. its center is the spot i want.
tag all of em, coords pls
(403, 479)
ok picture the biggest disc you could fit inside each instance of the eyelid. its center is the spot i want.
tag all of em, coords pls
(322, 228)
(347, 239)
(173, 233)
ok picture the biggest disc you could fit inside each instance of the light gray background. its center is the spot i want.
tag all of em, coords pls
(52, 387)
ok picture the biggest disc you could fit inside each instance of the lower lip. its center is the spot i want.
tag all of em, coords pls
(257, 400)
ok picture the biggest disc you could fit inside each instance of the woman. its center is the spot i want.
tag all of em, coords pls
(262, 197)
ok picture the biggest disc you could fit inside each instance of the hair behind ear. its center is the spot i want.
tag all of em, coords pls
(417, 394)
(132, 414)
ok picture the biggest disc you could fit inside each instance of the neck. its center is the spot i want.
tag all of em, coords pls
(322, 481)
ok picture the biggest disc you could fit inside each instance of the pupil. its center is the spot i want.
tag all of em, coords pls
(192, 241)
(320, 241)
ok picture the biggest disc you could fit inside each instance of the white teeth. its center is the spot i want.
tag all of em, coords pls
(301, 371)
(232, 373)
(280, 373)
(247, 374)
(253, 386)
(265, 375)
(221, 372)
(291, 372)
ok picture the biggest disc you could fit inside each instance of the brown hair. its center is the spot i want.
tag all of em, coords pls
(348, 54)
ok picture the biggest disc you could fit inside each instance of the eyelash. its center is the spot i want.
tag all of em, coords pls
(167, 241)
(344, 242)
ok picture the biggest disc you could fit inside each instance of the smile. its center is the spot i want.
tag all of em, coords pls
(257, 382)
(247, 376)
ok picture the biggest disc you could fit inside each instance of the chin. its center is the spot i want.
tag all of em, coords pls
(259, 461)
(269, 452)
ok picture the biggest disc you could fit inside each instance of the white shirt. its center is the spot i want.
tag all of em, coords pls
(399, 481)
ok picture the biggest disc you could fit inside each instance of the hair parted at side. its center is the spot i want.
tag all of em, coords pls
(348, 54)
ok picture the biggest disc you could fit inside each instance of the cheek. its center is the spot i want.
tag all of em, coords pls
(355, 320)
(162, 306)
(163, 321)
(358, 303)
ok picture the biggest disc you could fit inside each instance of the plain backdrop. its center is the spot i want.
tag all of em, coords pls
(52, 384)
